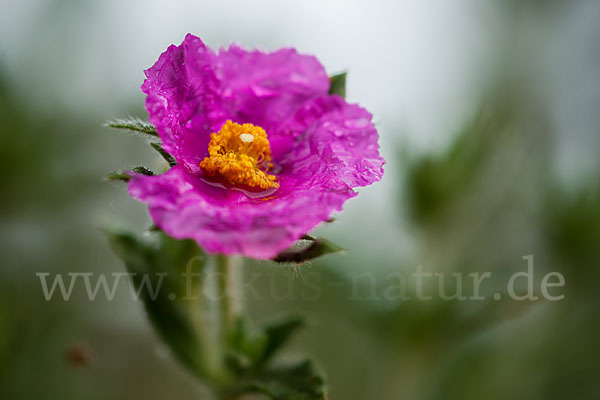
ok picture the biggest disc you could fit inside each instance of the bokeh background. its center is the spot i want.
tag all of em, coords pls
(488, 113)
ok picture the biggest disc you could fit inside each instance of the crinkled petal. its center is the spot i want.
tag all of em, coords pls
(334, 143)
(191, 92)
(266, 88)
(231, 222)
(184, 101)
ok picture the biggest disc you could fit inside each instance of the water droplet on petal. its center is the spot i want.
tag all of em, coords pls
(298, 78)
(261, 91)
(357, 123)
(250, 192)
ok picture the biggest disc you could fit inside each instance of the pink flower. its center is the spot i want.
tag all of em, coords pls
(289, 156)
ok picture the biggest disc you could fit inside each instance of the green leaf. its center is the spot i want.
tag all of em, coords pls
(301, 253)
(124, 176)
(337, 84)
(134, 125)
(168, 158)
(277, 334)
(157, 267)
(435, 183)
(249, 351)
(300, 381)
(158, 261)
(243, 347)
(296, 382)
(143, 171)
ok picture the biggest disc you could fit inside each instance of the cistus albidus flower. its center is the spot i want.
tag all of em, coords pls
(264, 153)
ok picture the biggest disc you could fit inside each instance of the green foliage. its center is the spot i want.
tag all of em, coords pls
(245, 360)
(337, 84)
(143, 171)
(139, 126)
(436, 181)
(277, 334)
(251, 352)
(301, 253)
(134, 125)
(124, 176)
(118, 176)
(161, 264)
(484, 202)
(300, 381)
(573, 223)
(250, 359)
(168, 158)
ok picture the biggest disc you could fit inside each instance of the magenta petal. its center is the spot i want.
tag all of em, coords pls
(228, 221)
(265, 88)
(335, 142)
(184, 101)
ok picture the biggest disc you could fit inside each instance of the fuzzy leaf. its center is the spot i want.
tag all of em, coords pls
(157, 275)
(250, 352)
(277, 334)
(134, 125)
(337, 84)
(317, 247)
(122, 176)
(168, 158)
(296, 382)
(143, 171)
(299, 381)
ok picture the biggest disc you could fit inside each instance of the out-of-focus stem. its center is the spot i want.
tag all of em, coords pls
(226, 292)
(228, 300)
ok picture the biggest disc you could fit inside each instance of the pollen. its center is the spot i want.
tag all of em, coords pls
(241, 155)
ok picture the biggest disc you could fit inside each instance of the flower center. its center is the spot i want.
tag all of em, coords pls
(240, 154)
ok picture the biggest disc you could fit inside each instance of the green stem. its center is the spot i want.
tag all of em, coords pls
(225, 293)
(227, 306)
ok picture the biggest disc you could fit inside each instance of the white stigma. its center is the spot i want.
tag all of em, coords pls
(247, 137)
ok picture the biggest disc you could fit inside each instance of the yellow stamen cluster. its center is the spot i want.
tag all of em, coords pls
(240, 154)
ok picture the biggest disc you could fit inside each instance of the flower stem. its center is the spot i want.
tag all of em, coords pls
(228, 300)
(226, 287)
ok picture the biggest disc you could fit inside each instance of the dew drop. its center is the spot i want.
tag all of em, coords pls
(250, 192)
(357, 123)
(261, 91)
(257, 194)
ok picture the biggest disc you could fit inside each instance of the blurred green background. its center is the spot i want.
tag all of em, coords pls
(488, 113)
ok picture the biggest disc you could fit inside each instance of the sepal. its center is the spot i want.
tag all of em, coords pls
(306, 249)
(337, 84)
